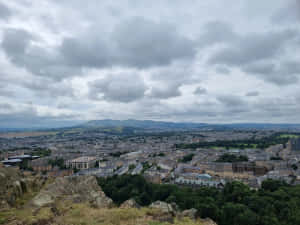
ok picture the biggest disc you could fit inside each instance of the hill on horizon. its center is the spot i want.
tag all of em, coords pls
(151, 124)
(146, 124)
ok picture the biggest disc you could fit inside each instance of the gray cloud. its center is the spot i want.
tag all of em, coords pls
(153, 44)
(222, 70)
(18, 46)
(5, 12)
(12, 116)
(200, 91)
(253, 47)
(216, 32)
(15, 43)
(252, 94)
(283, 73)
(289, 13)
(5, 107)
(231, 100)
(48, 88)
(260, 54)
(118, 88)
(165, 92)
(5, 91)
(87, 52)
(168, 80)
(172, 49)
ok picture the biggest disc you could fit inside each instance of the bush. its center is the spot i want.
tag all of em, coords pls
(232, 158)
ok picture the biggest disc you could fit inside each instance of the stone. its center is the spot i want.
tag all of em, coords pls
(191, 213)
(130, 203)
(43, 199)
(164, 207)
(77, 189)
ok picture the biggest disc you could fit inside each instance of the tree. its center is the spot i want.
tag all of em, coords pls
(272, 185)
(59, 162)
(187, 158)
(232, 158)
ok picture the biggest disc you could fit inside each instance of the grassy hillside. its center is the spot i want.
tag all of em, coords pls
(68, 213)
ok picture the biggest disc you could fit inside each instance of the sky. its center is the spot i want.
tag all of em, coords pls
(218, 61)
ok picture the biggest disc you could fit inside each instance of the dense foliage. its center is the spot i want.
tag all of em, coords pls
(240, 144)
(59, 162)
(187, 158)
(24, 165)
(232, 158)
(41, 152)
(276, 203)
(117, 154)
(276, 158)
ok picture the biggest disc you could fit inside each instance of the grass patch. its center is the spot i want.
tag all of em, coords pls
(288, 136)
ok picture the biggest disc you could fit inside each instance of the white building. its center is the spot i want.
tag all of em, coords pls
(84, 162)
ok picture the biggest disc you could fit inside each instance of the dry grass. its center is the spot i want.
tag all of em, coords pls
(82, 214)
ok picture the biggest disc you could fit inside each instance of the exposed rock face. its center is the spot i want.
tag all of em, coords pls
(13, 185)
(76, 189)
(208, 221)
(165, 207)
(191, 213)
(130, 203)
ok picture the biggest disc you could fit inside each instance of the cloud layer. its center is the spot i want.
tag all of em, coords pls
(68, 61)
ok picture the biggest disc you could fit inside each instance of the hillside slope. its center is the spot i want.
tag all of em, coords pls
(75, 200)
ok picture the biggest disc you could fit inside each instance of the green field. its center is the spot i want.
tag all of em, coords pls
(289, 136)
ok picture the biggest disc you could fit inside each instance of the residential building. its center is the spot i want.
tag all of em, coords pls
(84, 162)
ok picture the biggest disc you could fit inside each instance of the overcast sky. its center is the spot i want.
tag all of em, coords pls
(215, 61)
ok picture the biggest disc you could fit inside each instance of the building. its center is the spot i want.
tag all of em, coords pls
(84, 162)
(200, 180)
(167, 164)
(294, 144)
(12, 162)
(40, 165)
(138, 169)
(251, 168)
(188, 169)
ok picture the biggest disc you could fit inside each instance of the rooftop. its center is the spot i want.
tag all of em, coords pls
(83, 159)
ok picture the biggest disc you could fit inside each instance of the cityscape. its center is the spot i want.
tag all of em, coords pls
(195, 158)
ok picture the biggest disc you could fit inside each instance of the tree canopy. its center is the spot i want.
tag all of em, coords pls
(276, 203)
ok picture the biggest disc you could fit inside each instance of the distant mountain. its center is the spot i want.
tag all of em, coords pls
(161, 125)
(261, 126)
(145, 124)
(148, 125)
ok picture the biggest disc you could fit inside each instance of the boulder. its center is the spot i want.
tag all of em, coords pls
(164, 207)
(191, 213)
(77, 189)
(130, 203)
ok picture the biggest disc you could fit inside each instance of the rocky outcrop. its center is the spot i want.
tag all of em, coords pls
(165, 207)
(77, 189)
(169, 211)
(14, 185)
(130, 203)
(208, 221)
(191, 213)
